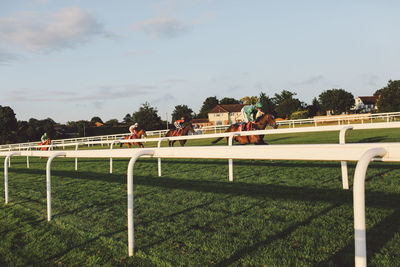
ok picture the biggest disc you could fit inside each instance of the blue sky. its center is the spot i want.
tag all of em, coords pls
(72, 60)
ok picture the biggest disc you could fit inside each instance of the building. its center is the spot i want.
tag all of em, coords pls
(225, 114)
(365, 104)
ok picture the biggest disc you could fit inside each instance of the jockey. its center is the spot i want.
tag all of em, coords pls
(249, 112)
(44, 138)
(133, 130)
(178, 123)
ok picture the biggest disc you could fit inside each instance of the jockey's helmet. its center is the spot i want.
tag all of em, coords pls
(136, 124)
(258, 105)
(183, 118)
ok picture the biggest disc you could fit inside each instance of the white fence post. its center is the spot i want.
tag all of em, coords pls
(76, 159)
(111, 159)
(342, 140)
(131, 237)
(159, 159)
(7, 159)
(48, 182)
(359, 205)
(230, 161)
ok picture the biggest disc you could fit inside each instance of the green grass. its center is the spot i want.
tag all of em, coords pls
(281, 213)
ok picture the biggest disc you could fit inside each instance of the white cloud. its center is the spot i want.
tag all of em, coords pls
(44, 32)
(99, 94)
(6, 57)
(311, 80)
(163, 27)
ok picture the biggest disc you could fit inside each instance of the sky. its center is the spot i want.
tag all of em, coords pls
(73, 60)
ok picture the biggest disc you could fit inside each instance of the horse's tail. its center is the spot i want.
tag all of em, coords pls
(217, 140)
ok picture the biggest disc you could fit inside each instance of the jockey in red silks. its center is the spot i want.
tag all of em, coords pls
(178, 124)
(133, 129)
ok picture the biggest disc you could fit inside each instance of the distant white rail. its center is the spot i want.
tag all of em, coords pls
(362, 153)
(342, 131)
(340, 120)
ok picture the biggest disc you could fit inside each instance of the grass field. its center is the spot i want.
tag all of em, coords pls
(281, 213)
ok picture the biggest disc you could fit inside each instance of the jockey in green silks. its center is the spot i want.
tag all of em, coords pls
(249, 112)
(44, 138)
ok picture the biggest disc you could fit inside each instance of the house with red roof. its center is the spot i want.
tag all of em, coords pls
(365, 104)
(225, 114)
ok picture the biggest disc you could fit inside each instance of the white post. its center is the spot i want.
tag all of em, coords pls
(27, 159)
(131, 238)
(360, 239)
(111, 160)
(7, 159)
(342, 140)
(230, 161)
(159, 159)
(48, 182)
(76, 159)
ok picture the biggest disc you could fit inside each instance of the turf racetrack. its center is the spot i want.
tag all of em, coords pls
(282, 213)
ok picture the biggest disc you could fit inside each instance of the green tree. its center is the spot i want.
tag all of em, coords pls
(302, 114)
(336, 101)
(228, 101)
(147, 118)
(127, 119)
(286, 104)
(315, 108)
(389, 97)
(249, 100)
(268, 105)
(208, 105)
(182, 111)
(95, 119)
(8, 125)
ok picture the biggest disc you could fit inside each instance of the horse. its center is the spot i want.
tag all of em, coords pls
(260, 124)
(138, 135)
(46, 144)
(180, 132)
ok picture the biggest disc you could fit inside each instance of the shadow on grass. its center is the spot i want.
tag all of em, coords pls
(236, 188)
(374, 139)
(281, 235)
(377, 237)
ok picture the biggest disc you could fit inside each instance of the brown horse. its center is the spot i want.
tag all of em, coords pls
(260, 124)
(46, 144)
(181, 132)
(138, 135)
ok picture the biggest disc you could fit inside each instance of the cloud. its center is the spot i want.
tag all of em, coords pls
(99, 95)
(45, 32)
(138, 53)
(6, 57)
(371, 80)
(312, 80)
(163, 27)
(165, 98)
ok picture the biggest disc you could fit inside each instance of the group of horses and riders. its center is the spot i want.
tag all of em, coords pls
(253, 119)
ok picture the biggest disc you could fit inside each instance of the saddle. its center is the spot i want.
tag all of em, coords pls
(177, 132)
(246, 126)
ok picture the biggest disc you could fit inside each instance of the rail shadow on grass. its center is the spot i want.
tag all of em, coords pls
(255, 190)
(377, 237)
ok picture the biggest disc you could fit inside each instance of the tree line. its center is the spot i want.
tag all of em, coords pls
(284, 105)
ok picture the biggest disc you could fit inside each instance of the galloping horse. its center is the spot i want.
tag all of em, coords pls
(260, 124)
(181, 132)
(46, 144)
(136, 136)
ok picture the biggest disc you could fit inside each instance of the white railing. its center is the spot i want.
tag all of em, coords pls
(230, 136)
(362, 153)
(341, 120)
